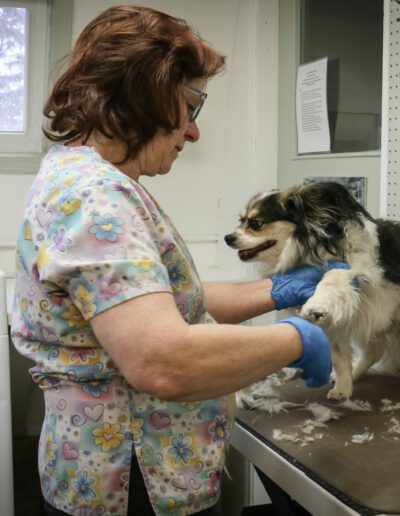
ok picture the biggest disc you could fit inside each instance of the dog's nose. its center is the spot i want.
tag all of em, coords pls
(229, 239)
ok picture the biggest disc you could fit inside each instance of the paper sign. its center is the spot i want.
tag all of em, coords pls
(311, 108)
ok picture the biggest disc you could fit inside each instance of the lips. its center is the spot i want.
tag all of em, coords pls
(248, 254)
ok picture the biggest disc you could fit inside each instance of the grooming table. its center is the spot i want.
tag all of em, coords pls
(330, 476)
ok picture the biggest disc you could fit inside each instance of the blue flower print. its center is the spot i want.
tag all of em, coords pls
(66, 193)
(83, 486)
(106, 227)
(180, 449)
(175, 272)
(95, 388)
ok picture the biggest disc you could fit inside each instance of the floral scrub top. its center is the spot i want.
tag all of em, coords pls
(90, 239)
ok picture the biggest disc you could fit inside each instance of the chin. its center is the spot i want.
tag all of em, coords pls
(156, 172)
(319, 222)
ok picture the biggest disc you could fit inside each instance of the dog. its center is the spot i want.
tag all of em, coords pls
(318, 222)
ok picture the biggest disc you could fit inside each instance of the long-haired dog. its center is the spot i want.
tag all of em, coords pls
(319, 222)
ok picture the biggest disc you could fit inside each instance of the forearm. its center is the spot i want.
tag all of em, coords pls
(236, 302)
(175, 361)
(212, 360)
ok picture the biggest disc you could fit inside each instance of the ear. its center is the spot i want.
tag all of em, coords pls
(295, 207)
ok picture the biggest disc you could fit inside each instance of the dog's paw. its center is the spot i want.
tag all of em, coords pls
(314, 312)
(336, 394)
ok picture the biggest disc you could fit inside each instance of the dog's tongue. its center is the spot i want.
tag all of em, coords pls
(247, 254)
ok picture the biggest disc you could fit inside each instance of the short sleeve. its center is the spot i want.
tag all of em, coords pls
(103, 246)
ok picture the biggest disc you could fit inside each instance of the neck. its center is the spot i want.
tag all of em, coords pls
(111, 150)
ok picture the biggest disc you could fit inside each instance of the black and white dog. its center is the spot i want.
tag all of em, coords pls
(320, 222)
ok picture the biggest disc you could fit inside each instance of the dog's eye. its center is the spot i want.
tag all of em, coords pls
(255, 223)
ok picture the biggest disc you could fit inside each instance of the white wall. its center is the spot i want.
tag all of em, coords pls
(13, 190)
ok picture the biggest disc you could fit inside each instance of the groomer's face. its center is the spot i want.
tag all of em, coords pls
(158, 155)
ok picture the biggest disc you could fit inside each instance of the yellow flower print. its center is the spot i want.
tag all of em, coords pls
(27, 231)
(54, 196)
(190, 404)
(101, 171)
(74, 317)
(69, 180)
(108, 436)
(145, 262)
(136, 428)
(50, 448)
(84, 301)
(43, 257)
(173, 505)
(65, 162)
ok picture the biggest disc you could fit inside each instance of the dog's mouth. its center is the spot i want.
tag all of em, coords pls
(248, 254)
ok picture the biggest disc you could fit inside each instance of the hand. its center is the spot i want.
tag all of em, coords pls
(294, 287)
(316, 360)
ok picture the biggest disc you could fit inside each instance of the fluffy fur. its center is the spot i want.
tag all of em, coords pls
(320, 222)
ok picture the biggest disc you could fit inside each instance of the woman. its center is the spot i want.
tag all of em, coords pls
(136, 374)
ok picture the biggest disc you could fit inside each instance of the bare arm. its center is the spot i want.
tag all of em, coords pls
(237, 302)
(159, 353)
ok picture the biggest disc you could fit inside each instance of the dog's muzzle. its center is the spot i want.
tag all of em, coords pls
(249, 254)
(230, 239)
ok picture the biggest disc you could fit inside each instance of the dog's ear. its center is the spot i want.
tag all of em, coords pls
(295, 207)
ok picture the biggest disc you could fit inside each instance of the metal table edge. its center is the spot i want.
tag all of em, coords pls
(312, 496)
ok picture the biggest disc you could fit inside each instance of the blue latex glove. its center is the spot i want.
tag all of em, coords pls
(294, 287)
(316, 360)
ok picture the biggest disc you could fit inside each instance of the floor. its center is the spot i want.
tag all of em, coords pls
(27, 494)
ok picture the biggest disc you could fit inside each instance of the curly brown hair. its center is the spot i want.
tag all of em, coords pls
(125, 77)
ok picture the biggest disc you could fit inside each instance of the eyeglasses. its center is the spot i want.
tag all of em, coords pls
(194, 111)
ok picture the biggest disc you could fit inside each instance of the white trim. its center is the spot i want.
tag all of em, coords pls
(338, 155)
(199, 239)
(385, 111)
(7, 244)
(31, 139)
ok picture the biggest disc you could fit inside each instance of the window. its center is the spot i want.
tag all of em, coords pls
(350, 34)
(13, 31)
(23, 69)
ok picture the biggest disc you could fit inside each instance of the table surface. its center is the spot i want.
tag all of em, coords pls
(365, 474)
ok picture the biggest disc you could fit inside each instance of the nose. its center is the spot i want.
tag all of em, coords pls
(229, 239)
(192, 133)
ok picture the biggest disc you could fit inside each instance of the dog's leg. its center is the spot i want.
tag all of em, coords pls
(335, 300)
(343, 387)
(371, 352)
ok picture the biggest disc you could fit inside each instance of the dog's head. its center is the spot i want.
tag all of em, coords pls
(304, 224)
